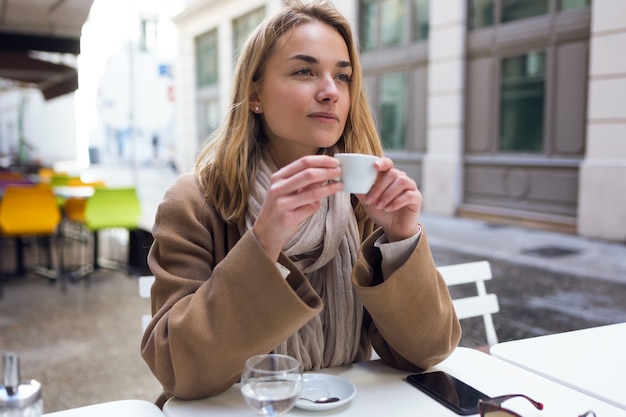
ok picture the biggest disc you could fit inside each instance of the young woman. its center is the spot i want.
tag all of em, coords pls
(259, 251)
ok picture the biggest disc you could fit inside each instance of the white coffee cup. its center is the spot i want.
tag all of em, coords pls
(358, 172)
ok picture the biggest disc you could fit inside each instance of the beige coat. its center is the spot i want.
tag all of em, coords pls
(218, 299)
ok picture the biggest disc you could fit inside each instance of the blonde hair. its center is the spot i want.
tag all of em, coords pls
(227, 162)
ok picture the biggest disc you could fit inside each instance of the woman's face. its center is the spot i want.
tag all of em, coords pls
(304, 95)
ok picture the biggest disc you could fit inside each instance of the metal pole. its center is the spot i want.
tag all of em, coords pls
(131, 93)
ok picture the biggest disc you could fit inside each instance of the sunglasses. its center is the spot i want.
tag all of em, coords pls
(493, 407)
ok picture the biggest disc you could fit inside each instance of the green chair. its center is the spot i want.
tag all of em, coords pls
(59, 179)
(109, 208)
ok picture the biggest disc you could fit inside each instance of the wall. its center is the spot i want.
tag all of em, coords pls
(602, 185)
(49, 126)
(602, 188)
(446, 94)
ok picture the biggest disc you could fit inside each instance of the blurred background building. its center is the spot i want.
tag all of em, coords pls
(507, 110)
(512, 111)
(120, 106)
(129, 51)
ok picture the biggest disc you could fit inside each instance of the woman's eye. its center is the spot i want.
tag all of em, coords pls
(345, 77)
(304, 71)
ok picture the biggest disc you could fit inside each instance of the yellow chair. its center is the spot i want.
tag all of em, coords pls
(75, 235)
(45, 175)
(31, 212)
(78, 182)
(73, 228)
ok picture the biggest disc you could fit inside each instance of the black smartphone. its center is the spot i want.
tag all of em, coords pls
(449, 391)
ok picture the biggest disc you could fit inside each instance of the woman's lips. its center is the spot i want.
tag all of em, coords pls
(324, 116)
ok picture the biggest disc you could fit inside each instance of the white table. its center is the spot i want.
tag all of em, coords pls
(73, 191)
(383, 391)
(122, 408)
(592, 361)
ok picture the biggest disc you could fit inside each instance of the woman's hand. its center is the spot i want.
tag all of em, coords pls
(295, 193)
(394, 201)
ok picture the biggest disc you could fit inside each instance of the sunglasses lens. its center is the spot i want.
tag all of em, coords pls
(497, 413)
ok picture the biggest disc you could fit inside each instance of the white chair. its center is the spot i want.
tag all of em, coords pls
(482, 304)
(145, 284)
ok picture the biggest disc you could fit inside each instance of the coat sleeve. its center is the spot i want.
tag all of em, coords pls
(213, 290)
(410, 316)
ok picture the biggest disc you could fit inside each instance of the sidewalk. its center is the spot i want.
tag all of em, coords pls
(556, 252)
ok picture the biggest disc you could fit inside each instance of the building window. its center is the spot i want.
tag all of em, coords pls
(523, 9)
(243, 26)
(368, 18)
(485, 13)
(207, 59)
(392, 23)
(574, 4)
(522, 98)
(148, 41)
(209, 116)
(526, 106)
(392, 109)
(207, 78)
(393, 35)
(420, 20)
(481, 14)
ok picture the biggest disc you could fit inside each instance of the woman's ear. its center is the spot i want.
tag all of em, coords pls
(254, 103)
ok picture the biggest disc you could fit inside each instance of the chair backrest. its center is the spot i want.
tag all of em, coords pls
(482, 304)
(113, 208)
(78, 182)
(59, 178)
(45, 174)
(28, 211)
(74, 209)
(145, 284)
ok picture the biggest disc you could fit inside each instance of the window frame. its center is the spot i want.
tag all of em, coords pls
(206, 93)
(411, 58)
(408, 35)
(244, 20)
(554, 6)
(197, 57)
(544, 33)
(548, 80)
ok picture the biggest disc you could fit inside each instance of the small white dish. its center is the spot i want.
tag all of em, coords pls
(316, 386)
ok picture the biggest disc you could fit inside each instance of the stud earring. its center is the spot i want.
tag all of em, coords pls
(256, 108)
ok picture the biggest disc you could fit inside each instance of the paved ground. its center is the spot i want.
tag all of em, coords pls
(546, 282)
(83, 345)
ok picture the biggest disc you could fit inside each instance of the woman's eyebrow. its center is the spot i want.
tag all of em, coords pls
(312, 60)
(344, 64)
(306, 58)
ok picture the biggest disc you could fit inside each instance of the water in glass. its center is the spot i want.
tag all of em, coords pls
(271, 384)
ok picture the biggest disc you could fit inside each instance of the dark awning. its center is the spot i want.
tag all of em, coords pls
(52, 79)
(52, 26)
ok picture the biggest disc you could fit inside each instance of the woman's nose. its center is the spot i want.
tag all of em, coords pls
(327, 90)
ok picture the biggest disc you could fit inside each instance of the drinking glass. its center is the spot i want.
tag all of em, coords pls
(271, 383)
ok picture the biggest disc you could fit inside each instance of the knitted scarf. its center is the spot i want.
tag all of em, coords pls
(325, 249)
